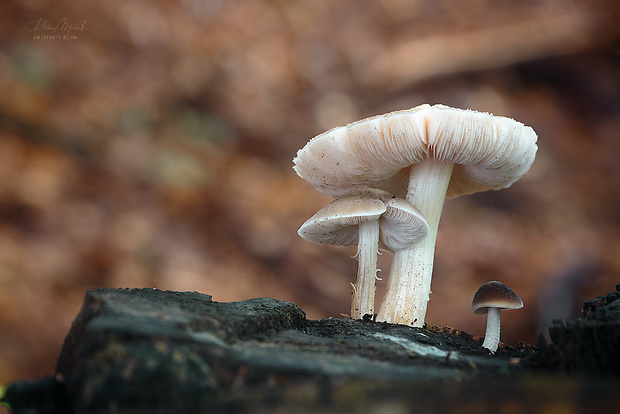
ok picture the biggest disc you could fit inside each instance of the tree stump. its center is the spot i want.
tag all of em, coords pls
(151, 351)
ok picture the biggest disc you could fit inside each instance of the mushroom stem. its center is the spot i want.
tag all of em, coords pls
(409, 283)
(363, 301)
(491, 337)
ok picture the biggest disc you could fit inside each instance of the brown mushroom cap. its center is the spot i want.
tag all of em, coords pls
(401, 223)
(495, 295)
(489, 152)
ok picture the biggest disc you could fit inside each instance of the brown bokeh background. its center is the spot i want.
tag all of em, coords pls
(154, 149)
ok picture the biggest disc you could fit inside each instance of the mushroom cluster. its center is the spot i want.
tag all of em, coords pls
(370, 219)
(423, 155)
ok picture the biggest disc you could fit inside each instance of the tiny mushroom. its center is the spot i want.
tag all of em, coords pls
(491, 298)
(370, 219)
(424, 155)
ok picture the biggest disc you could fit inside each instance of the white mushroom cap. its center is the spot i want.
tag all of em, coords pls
(490, 152)
(495, 295)
(401, 224)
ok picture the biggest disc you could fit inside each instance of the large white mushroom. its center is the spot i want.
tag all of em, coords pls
(371, 219)
(424, 154)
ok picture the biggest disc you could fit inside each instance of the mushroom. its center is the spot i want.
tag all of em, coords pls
(372, 219)
(424, 155)
(491, 298)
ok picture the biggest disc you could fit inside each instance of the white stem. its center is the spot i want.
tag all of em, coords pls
(491, 337)
(363, 301)
(410, 277)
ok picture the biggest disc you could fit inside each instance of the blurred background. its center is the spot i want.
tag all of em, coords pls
(149, 144)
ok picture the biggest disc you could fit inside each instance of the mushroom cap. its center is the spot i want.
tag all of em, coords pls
(401, 224)
(489, 152)
(495, 295)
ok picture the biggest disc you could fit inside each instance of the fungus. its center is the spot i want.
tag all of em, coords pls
(424, 155)
(491, 298)
(370, 219)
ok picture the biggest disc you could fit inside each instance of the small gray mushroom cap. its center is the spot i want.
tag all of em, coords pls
(495, 295)
(401, 224)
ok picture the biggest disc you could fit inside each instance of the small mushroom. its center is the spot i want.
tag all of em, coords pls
(372, 219)
(425, 155)
(491, 298)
